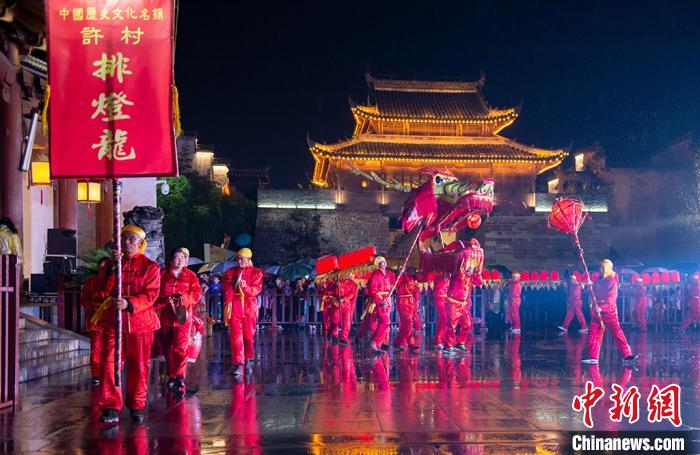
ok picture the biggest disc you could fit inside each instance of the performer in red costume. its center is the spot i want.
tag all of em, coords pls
(440, 286)
(179, 293)
(459, 309)
(573, 304)
(407, 291)
(93, 322)
(605, 292)
(693, 300)
(330, 312)
(241, 286)
(513, 303)
(379, 288)
(347, 296)
(140, 288)
(639, 297)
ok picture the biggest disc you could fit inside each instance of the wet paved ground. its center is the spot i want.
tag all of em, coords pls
(511, 394)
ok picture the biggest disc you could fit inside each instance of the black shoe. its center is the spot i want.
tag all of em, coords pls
(171, 383)
(334, 340)
(414, 348)
(631, 358)
(137, 415)
(385, 347)
(460, 347)
(343, 343)
(109, 416)
(95, 381)
(448, 351)
(378, 352)
(179, 383)
(238, 370)
(399, 348)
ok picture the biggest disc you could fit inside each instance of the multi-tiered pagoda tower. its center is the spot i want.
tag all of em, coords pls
(408, 125)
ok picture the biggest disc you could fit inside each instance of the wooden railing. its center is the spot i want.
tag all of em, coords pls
(9, 330)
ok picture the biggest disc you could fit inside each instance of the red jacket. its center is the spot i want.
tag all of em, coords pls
(573, 295)
(441, 285)
(328, 292)
(379, 286)
(605, 291)
(248, 293)
(460, 290)
(186, 284)
(140, 287)
(86, 301)
(514, 293)
(347, 292)
(640, 295)
(407, 288)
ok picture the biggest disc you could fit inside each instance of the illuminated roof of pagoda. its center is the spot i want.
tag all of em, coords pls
(437, 101)
(435, 149)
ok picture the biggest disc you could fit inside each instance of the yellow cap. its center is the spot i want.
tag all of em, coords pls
(378, 260)
(185, 251)
(607, 262)
(245, 252)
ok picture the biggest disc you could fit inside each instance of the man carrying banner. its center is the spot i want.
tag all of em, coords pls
(330, 313)
(140, 288)
(458, 307)
(93, 321)
(241, 286)
(179, 294)
(347, 296)
(605, 293)
(379, 288)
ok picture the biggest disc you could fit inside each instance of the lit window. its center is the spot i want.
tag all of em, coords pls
(552, 185)
(364, 184)
(579, 162)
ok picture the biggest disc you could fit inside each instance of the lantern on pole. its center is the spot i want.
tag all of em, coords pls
(89, 193)
(40, 176)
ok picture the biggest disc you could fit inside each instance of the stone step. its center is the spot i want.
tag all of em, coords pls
(40, 349)
(34, 335)
(21, 323)
(52, 364)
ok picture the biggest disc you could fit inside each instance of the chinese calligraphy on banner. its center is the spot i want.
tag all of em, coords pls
(111, 78)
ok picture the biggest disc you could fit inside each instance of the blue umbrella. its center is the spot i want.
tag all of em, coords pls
(295, 271)
(243, 239)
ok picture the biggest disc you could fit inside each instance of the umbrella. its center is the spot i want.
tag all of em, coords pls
(273, 270)
(242, 239)
(194, 261)
(295, 271)
(217, 267)
(655, 269)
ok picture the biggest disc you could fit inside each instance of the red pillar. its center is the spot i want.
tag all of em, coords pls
(11, 181)
(68, 204)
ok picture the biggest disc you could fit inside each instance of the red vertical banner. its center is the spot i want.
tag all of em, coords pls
(111, 78)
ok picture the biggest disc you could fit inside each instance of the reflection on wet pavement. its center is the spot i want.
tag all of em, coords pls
(509, 394)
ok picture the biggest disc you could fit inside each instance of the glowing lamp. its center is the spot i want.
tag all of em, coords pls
(495, 275)
(544, 276)
(675, 276)
(41, 173)
(655, 278)
(485, 275)
(554, 276)
(525, 276)
(89, 192)
(534, 276)
(665, 277)
(646, 278)
(634, 277)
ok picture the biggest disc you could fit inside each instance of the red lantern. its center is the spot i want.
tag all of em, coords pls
(634, 278)
(665, 277)
(534, 276)
(675, 276)
(326, 264)
(544, 276)
(485, 275)
(473, 221)
(495, 274)
(567, 215)
(655, 278)
(362, 256)
(554, 275)
(646, 278)
(577, 276)
(525, 276)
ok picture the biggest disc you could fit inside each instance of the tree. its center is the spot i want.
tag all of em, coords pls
(197, 212)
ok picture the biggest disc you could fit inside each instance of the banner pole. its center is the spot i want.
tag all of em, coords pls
(117, 195)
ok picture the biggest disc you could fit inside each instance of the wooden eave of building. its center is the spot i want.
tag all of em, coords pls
(436, 149)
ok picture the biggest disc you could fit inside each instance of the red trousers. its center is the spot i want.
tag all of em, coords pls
(381, 333)
(332, 314)
(462, 318)
(95, 353)
(175, 340)
(443, 319)
(242, 327)
(513, 316)
(136, 351)
(368, 325)
(570, 312)
(407, 326)
(640, 316)
(417, 325)
(346, 314)
(597, 331)
(693, 313)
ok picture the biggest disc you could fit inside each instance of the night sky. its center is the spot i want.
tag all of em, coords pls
(255, 77)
